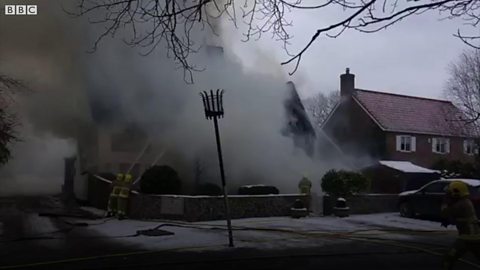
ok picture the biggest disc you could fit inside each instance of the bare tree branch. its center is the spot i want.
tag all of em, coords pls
(320, 106)
(8, 120)
(463, 88)
(172, 23)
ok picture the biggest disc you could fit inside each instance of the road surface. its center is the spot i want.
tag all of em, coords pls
(32, 242)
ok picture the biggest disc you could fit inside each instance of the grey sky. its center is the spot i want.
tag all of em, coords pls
(411, 57)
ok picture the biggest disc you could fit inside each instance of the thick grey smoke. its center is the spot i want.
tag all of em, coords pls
(49, 53)
(39, 51)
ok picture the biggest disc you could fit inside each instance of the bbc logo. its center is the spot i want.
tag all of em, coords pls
(20, 9)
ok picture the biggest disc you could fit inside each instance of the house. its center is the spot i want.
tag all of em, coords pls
(373, 126)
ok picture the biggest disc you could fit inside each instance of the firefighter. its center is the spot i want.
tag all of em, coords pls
(112, 208)
(305, 187)
(123, 197)
(458, 209)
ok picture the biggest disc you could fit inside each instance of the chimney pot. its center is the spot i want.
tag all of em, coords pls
(347, 83)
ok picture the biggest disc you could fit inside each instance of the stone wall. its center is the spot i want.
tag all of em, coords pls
(202, 208)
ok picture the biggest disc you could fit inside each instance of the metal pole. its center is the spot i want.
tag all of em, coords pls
(222, 174)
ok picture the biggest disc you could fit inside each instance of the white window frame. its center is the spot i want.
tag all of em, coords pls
(469, 144)
(437, 141)
(406, 143)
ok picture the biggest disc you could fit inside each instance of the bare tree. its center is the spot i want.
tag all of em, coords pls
(463, 86)
(170, 23)
(8, 121)
(320, 106)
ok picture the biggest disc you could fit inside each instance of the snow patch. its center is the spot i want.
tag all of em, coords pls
(406, 166)
(94, 211)
(405, 193)
(263, 233)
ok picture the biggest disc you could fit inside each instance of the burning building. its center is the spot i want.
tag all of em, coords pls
(106, 105)
(113, 145)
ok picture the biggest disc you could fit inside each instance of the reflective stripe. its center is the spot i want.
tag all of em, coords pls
(116, 190)
(124, 192)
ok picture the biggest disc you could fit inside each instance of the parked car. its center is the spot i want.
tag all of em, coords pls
(427, 200)
(257, 190)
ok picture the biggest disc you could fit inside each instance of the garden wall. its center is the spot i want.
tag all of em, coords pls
(202, 208)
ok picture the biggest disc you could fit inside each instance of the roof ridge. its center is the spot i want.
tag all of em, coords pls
(369, 113)
(403, 95)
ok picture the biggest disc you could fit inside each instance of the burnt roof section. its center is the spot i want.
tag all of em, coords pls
(409, 114)
(301, 124)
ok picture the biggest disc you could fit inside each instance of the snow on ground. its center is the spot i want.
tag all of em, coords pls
(125, 231)
(264, 233)
(347, 224)
(36, 226)
(93, 210)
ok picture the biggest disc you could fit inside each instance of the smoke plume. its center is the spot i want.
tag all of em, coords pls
(116, 86)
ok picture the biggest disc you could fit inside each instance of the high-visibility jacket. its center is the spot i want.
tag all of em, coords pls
(125, 188)
(117, 186)
(462, 213)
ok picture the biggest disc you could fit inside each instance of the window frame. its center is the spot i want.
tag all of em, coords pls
(405, 141)
(436, 145)
(469, 144)
(442, 190)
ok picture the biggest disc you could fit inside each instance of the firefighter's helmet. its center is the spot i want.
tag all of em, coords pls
(458, 189)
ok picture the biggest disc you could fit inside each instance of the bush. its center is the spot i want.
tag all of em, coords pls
(160, 180)
(257, 190)
(344, 183)
(209, 189)
(456, 168)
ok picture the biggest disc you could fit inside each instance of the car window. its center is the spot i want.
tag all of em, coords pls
(474, 190)
(438, 187)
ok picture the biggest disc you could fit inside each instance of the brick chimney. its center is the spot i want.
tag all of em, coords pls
(347, 83)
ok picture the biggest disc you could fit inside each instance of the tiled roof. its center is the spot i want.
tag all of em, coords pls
(400, 113)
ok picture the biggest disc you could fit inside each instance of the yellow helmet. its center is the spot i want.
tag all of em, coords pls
(128, 178)
(458, 189)
(119, 176)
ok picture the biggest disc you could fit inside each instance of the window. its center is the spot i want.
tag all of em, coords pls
(469, 147)
(438, 187)
(406, 143)
(441, 145)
